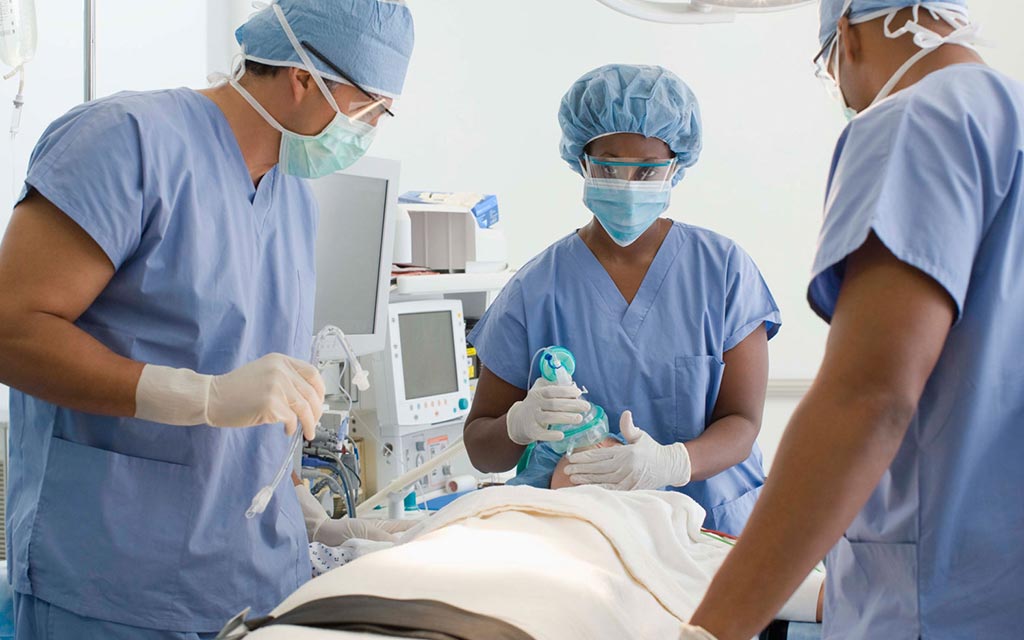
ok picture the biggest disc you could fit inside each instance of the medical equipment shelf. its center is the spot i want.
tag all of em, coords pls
(451, 283)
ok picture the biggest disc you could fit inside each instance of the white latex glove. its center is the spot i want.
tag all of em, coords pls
(351, 531)
(691, 632)
(335, 533)
(641, 464)
(545, 404)
(274, 388)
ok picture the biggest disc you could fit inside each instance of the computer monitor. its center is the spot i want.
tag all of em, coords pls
(354, 246)
(425, 365)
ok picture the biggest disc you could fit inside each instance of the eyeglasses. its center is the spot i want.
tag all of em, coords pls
(633, 169)
(365, 111)
(820, 61)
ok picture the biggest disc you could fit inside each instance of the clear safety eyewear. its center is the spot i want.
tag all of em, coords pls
(824, 67)
(368, 110)
(632, 169)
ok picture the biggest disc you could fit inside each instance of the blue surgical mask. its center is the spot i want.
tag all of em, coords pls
(626, 208)
(341, 143)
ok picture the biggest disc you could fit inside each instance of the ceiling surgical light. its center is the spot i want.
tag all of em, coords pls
(697, 11)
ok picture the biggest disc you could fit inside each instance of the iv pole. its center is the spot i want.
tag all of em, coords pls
(90, 49)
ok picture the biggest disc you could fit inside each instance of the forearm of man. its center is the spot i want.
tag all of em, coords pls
(50, 272)
(486, 432)
(807, 503)
(724, 444)
(888, 331)
(49, 357)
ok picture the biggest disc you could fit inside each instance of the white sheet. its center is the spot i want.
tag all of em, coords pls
(574, 563)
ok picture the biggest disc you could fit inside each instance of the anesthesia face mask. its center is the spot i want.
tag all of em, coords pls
(557, 364)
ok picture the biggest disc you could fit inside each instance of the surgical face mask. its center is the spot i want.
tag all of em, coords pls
(341, 143)
(626, 208)
(627, 195)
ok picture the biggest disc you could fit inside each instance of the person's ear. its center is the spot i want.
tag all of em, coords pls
(300, 82)
(849, 40)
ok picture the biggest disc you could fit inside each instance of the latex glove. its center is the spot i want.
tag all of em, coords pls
(545, 404)
(641, 464)
(690, 632)
(275, 388)
(353, 532)
(335, 533)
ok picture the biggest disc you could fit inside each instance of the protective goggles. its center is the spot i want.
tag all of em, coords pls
(826, 63)
(632, 169)
(368, 109)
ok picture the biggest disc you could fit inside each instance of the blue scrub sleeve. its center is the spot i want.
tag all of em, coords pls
(909, 171)
(89, 164)
(749, 303)
(501, 339)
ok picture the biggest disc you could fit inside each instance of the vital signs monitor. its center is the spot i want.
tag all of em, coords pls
(425, 365)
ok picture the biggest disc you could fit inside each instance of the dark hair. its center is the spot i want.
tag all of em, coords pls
(261, 70)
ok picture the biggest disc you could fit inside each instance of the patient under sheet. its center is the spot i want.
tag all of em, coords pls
(582, 562)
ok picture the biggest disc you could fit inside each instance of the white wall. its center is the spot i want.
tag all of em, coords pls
(479, 113)
(141, 45)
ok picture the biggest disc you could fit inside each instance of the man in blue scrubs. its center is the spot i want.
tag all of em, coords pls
(911, 439)
(158, 281)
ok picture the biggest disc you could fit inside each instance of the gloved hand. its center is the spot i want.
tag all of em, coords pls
(347, 531)
(335, 533)
(545, 404)
(641, 464)
(691, 632)
(275, 388)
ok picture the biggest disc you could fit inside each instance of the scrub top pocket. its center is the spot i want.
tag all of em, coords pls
(139, 550)
(697, 381)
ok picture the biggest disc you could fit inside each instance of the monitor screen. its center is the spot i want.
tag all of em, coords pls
(348, 251)
(428, 354)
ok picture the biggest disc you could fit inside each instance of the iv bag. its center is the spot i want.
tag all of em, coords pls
(17, 31)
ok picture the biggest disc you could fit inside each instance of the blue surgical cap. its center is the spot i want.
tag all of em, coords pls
(832, 11)
(623, 98)
(370, 40)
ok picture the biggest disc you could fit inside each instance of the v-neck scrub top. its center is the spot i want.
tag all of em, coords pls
(141, 523)
(660, 356)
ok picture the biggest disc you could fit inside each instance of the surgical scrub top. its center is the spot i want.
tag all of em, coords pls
(141, 523)
(936, 172)
(659, 356)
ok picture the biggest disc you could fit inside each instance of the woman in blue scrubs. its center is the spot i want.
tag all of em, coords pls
(158, 280)
(669, 323)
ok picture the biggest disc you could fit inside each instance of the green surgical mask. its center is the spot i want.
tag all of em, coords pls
(337, 147)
